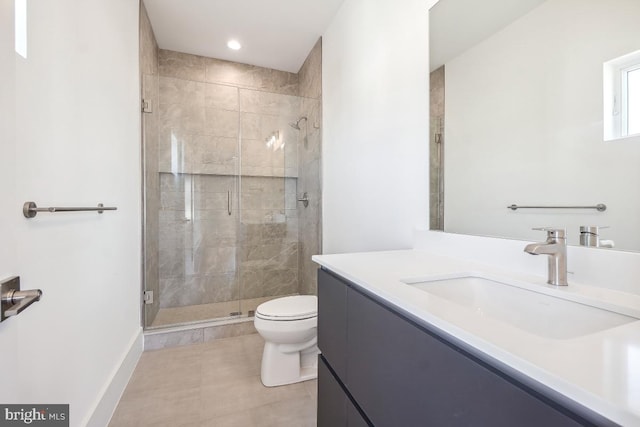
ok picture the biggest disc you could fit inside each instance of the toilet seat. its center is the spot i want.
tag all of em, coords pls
(296, 307)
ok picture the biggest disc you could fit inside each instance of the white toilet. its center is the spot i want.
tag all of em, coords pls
(289, 328)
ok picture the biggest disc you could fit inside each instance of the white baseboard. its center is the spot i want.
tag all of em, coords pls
(113, 389)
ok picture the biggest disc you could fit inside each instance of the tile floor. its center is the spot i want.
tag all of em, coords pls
(216, 383)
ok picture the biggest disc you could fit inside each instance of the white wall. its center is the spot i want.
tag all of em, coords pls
(7, 130)
(77, 143)
(524, 124)
(375, 141)
(9, 356)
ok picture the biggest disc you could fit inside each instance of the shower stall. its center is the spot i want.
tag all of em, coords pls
(229, 150)
(436, 149)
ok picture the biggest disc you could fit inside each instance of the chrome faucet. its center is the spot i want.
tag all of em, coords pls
(556, 248)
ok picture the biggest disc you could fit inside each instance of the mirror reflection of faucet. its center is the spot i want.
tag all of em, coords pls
(590, 236)
(556, 248)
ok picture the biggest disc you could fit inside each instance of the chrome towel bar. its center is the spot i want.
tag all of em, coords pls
(30, 209)
(600, 207)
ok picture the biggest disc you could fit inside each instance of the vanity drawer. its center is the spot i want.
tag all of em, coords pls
(332, 401)
(335, 409)
(332, 321)
(402, 375)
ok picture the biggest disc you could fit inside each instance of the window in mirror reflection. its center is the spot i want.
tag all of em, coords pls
(633, 96)
(20, 8)
(622, 96)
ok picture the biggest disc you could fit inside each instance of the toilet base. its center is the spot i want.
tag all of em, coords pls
(279, 368)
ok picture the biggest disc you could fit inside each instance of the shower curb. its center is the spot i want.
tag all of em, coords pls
(195, 333)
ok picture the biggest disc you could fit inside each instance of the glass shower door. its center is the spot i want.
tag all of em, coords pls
(224, 169)
(191, 155)
(268, 228)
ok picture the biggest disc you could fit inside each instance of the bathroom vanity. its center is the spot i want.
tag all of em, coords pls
(395, 355)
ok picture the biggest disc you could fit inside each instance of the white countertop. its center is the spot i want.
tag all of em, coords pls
(600, 371)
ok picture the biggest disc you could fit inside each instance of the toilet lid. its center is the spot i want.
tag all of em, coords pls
(289, 308)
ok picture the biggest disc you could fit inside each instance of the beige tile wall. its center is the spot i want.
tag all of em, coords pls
(310, 74)
(268, 250)
(209, 70)
(222, 130)
(436, 121)
(219, 120)
(309, 178)
(208, 256)
(201, 121)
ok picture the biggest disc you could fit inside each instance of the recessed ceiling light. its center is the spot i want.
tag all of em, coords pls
(234, 44)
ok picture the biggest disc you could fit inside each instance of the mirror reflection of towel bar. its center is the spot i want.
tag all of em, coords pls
(600, 207)
(30, 209)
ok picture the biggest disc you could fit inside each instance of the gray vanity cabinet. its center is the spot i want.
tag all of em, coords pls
(336, 409)
(332, 324)
(332, 411)
(399, 373)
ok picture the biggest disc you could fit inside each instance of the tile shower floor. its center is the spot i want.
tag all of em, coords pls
(202, 312)
(212, 384)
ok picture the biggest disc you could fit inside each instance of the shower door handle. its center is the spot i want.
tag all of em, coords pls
(229, 202)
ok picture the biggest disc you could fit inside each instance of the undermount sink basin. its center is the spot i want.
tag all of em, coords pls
(536, 313)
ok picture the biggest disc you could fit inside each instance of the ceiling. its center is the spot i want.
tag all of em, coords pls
(457, 25)
(276, 34)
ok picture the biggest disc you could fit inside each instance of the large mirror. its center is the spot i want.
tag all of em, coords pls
(522, 98)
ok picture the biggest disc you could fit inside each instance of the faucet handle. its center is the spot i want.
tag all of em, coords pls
(593, 229)
(590, 236)
(553, 232)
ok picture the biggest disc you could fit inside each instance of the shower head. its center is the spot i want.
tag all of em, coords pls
(296, 124)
